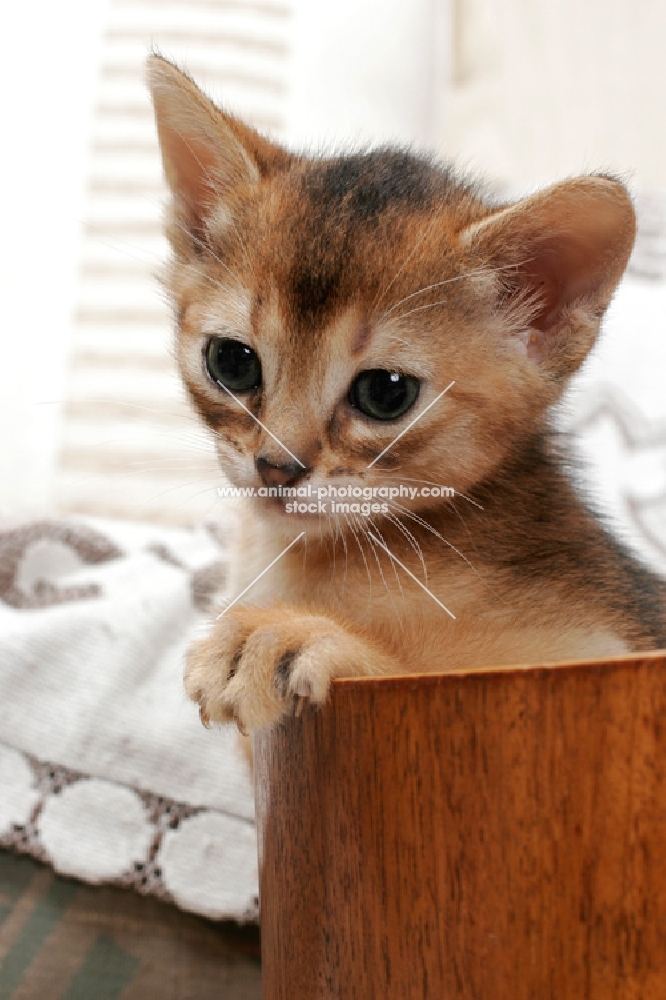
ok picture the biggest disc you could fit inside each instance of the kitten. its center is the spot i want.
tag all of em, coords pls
(323, 308)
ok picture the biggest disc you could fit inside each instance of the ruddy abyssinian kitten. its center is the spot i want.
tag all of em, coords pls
(323, 305)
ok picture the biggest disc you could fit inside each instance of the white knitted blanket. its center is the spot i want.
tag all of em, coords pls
(105, 770)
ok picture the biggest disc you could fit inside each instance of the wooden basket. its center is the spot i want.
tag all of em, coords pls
(492, 835)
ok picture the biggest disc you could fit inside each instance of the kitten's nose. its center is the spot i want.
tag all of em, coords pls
(279, 475)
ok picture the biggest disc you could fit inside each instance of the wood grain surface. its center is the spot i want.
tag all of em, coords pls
(497, 835)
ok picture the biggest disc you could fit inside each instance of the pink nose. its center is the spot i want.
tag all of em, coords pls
(279, 475)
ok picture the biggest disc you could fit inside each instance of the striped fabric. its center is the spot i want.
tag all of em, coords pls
(131, 448)
(61, 940)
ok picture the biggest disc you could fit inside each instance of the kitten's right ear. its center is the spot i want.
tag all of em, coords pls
(206, 153)
(563, 250)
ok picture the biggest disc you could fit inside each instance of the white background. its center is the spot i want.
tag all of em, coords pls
(48, 68)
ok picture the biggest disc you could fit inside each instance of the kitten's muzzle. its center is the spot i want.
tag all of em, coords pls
(279, 475)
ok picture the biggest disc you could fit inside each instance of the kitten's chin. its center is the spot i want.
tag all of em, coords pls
(285, 518)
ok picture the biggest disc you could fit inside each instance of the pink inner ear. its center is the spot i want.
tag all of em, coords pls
(541, 276)
(203, 156)
(573, 259)
(565, 246)
(192, 169)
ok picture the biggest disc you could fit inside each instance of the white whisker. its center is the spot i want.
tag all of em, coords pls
(360, 547)
(411, 539)
(368, 535)
(372, 540)
(424, 233)
(391, 474)
(410, 424)
(428, 305)
(428, 288)
(425, 524)
(415, 578)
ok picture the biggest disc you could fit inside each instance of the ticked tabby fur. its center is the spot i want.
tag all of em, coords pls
(319, 286)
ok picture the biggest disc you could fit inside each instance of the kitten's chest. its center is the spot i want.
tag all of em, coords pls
(454, 619)
(384, 602)
(360, 583)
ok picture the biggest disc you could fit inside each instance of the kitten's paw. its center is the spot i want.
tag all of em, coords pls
(260, 664)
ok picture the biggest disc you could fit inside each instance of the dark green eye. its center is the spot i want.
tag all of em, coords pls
(384, 395)
(233, 364)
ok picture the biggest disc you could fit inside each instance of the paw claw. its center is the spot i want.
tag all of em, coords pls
(256, 667)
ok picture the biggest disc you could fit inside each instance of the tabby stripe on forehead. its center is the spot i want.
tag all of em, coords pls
(127, 415)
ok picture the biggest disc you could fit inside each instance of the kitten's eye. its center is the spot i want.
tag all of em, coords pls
(384, 395)
(233, 364)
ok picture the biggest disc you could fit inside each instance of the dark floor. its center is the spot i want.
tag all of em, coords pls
(64, 940)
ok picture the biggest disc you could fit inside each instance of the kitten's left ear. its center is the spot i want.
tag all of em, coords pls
(207, 154)
(565, 250)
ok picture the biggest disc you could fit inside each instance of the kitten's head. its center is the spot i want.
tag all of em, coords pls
(324, 305)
